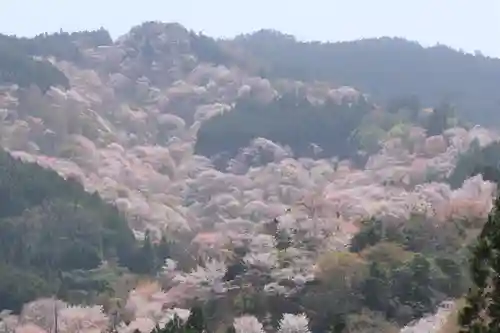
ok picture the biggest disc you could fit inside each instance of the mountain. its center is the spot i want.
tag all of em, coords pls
(258, 186)
(385, 68)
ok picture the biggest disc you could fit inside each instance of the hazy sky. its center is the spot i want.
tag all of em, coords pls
(467, 24)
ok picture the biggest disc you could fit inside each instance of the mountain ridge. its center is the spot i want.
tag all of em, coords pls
(405, 74)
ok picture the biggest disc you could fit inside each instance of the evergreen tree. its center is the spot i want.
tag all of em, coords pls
(482, 312)
(438, 120)
(146, 257)
(370, 234)
(236, 265)
(376, 289)
(283, 240)
(163, 250)
(148, 51)
(196, 321)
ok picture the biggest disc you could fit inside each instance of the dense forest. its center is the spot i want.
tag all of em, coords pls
(349, 130)
(396, 271)
(480, 312)
(288, 121)
(385, 68)
(18, 66)
(55, 236)
(476, 160)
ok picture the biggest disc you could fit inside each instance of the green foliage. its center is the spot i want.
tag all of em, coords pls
(207, 49)
(62, 45)
(18, 68)
(370, 234)
(368, 322)
(18, 287)
(437, 122)
(17, 65)
(418, 234)
(481, 313)
(283, 240)
(149, 257)
(404, 290)
(54, 236)
(397, 271)
(369, 137)
(289, 121)
(410, 103)
(385, 68)
(477, 160)
(413, 265)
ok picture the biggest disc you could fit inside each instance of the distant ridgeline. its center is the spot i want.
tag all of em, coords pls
(18, 66)
(54, 236)
(385, 68)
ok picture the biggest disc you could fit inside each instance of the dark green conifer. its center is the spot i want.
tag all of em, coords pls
(482, 311)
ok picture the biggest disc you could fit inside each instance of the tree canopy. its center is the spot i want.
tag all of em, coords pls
(289, 121)
(18, 66)
(52, 231)
(480, 313)
(385, 68)
(477, 160)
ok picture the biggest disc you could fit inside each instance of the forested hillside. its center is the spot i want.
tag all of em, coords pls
(18, 66)
(265, 184)
(351, 129)
(55, 237)
(287, 121)
(385, 68)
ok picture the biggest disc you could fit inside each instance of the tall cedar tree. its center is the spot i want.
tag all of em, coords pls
(482, 312)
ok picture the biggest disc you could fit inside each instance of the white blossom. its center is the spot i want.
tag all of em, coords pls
(248, 324)
(208, 278)
(291, 323)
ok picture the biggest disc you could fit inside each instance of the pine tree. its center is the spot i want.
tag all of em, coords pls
(482, 311)
(283, 240)
(376, 288)
(148, 255)
(163, 250)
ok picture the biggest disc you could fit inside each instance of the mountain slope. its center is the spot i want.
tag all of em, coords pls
(385, 68)
(18, 65)
(309, 165)
(50, 226)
